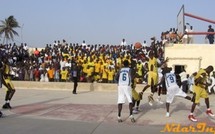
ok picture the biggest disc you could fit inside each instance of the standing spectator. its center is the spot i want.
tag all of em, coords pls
(36, 52)
(42, 76)
(97, 70)
(57, 75)
(211, 88)
(27, 74)
(37, 74)
(21, 73)
(185, 37)
(144, 44)
(51, 74)
(64, 43)
(84, 43)
(25, 47)
(184, 80)
(104, 74)
(210, 37)
(110, 73)
(191, 82)
(75, 72)
(123, 43)
(31, 74)
(62, 63)
(190, 36)
(64, 74)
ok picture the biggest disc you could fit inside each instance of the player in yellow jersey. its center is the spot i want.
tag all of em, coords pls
(139, 67)
(152, 75)
(136, 97)
(200, 91)
(6, 81)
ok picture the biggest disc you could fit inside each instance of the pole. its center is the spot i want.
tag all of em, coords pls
(199, 18)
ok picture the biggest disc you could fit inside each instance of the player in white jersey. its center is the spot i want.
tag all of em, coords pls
(125, 76)
(172, 88)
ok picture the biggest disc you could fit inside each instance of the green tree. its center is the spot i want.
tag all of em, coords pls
(7, 28)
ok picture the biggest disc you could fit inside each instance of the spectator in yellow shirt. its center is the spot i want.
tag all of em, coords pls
(64, 74)
(104, 74)
(89, 74)
(84, 67)
(97, 70)
(110, 73)
(51, 74)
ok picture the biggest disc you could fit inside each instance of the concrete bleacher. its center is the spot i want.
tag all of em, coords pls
(67, 86)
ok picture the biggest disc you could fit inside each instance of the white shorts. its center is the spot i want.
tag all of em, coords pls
(174, 91)
(123, 93)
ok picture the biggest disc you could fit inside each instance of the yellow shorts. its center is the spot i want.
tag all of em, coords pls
(135, 95)
(200, 93)
(152, 76)
(9, 83)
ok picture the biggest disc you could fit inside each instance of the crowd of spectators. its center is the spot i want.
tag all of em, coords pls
(95, 62)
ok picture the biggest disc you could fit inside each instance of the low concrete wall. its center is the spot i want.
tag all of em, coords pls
(68, 86)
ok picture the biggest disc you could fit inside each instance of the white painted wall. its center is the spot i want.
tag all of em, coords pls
(193, 56)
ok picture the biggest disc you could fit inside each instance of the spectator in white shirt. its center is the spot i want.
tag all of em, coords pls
(123, 43)
(184, 80)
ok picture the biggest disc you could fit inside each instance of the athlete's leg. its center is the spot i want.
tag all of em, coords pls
(119, 112)
(159, 93)
(193, 107)
(5, 82)
(131, 113)
(207, 103)
(130, 108)
(9, 95)
(12, 93)
(153, 88)
(150, 97)
(191, 117)
(209, 112)
(167, 109)
(133, 101)
(159, 90)
(138, 104)
(144, 89)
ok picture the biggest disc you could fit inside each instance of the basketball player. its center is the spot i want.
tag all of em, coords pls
(136, 97)
(7, 83)
(125, 76)
(172, 88)
(153, 64)
(200, 91)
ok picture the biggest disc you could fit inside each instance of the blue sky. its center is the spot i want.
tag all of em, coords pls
(101, 21)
